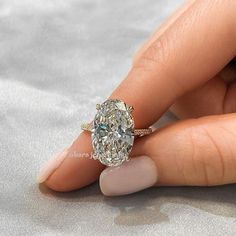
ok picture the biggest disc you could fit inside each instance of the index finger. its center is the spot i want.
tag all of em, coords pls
(190, 52)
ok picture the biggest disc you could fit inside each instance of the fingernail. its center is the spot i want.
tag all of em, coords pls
(137, 174)
(51, 166)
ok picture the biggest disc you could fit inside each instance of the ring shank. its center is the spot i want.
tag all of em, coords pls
(137, 132)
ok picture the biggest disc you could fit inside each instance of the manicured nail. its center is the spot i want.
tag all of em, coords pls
(137, 174)
(51, 166)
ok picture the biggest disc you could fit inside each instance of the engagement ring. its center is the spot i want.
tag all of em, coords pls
(113, 132)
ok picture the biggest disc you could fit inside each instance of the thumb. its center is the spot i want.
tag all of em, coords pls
(197, 152)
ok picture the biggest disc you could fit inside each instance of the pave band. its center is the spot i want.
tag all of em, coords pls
(137, 132)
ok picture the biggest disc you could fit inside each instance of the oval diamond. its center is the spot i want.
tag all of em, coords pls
(113, 132)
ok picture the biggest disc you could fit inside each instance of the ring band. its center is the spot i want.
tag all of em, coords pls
(137, 132)
(113, 132)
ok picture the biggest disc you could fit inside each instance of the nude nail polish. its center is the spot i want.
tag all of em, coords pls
(137, 174)
(51, 166)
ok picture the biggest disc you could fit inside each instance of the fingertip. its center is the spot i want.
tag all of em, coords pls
(135, 175)
(74, 168)
(74, 174)
(51, 166)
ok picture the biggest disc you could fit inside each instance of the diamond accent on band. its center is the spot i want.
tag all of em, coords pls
(142, 132)
(113, 132)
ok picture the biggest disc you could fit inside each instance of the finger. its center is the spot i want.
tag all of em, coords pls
(160, 76)
(196, 152)
(170, 67)
(217, 96)
(211, 98)
(72, 168)
(163, 28)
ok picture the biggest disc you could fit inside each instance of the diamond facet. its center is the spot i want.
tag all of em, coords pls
(113, 132)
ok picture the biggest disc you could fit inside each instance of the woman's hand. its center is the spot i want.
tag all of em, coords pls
(186, 65)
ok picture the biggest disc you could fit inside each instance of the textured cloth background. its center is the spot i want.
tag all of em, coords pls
(57, 60)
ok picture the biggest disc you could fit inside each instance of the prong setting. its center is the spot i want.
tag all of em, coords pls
(98, 106)
(131, 108)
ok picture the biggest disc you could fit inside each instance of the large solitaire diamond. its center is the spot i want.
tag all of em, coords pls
(113, 132)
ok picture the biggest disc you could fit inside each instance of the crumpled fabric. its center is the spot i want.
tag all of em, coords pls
(57, 60)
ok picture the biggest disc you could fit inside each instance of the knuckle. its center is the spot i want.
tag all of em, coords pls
(155, 55)
(211, 166)
(204, 161)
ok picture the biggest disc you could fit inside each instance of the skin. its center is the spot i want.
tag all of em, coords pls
(186, 66)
